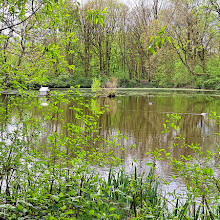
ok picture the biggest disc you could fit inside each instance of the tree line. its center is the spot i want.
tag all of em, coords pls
(65, 40)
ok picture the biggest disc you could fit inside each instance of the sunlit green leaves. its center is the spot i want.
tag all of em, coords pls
(156, 42)
(96, 16)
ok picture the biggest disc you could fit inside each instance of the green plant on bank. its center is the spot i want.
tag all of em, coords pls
(26, 163)
(110, 87)
(96, 86)
(199, 171)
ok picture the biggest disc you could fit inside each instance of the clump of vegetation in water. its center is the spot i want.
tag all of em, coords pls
(111, 87)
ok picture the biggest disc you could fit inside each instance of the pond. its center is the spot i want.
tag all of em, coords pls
(139, 115)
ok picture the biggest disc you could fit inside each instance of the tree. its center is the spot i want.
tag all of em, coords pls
(29, 32)
(191, 30)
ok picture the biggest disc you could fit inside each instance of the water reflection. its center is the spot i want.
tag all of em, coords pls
(142, 123)
(140, 118)
(44, 101)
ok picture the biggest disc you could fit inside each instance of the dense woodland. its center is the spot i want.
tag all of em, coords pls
(64, 43)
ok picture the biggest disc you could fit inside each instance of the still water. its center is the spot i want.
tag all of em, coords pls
(139, 115)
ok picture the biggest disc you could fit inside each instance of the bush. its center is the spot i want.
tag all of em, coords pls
(65, 81)
(212, 81)
(130, 83)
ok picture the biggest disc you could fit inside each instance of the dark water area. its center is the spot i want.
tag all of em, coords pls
(139, 115)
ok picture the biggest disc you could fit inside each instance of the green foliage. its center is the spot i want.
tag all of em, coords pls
(96, 16)
(156, 42)
(213, 79)
(177, 78)
(53, 39)
(66, 81)
(196, 170)
(96, 85)
(126, 83)
(54, 179)
(54, 43)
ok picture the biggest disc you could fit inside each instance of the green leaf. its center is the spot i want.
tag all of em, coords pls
(20, 207)
(111, 209)
(105, 9)
(91, 212)
(152, 38)
(96, 19)
(163, 28)
(169, 40)
(69, 212)
(151, 49)
(161, 31)
(159, 45)
(101, 21)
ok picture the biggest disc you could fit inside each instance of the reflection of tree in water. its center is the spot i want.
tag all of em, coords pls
(112, 105)
(140, 118)
(143, 123)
